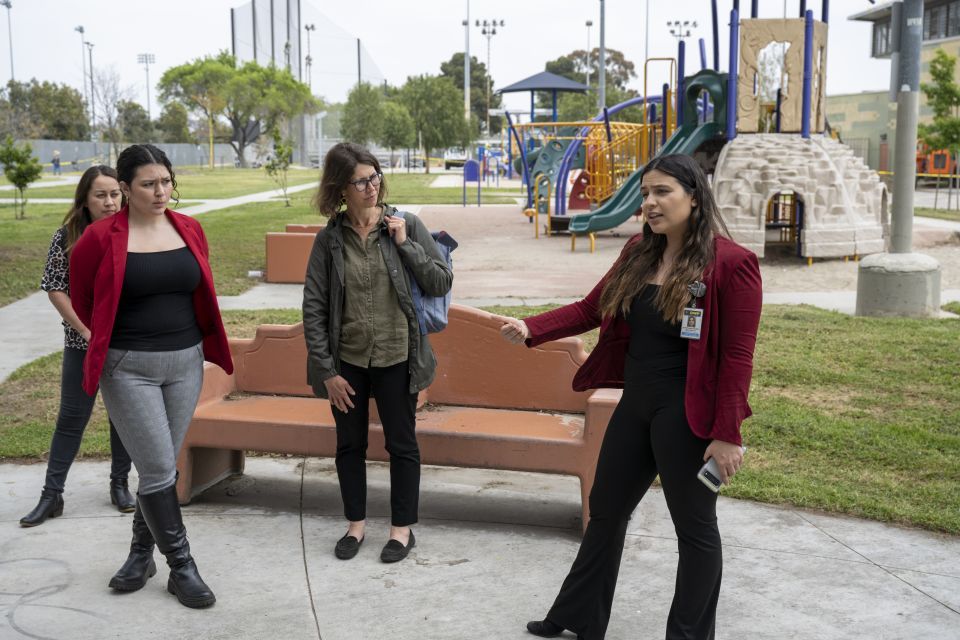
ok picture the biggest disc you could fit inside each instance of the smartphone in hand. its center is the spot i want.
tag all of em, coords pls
(709, 474)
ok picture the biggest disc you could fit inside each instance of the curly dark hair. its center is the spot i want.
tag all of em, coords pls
(338, 167)
(139, 155)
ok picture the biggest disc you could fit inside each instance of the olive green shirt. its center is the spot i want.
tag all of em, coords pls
(374, 332)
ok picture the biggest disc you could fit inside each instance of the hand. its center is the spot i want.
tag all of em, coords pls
(397, 228)
(513, 330)
(729, 457)
(85, 334)
(339, 392)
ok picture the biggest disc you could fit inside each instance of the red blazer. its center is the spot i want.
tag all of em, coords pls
(719, 364)
(97, 266)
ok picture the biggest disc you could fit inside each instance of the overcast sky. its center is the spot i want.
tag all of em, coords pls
(400, 38)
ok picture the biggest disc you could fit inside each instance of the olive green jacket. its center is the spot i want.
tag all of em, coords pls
(323, 297)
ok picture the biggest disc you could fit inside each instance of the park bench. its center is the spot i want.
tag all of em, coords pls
(493, 405)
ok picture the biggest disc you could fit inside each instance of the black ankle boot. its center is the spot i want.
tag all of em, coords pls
(139, 566)
(50, 506)
(544, 628)
(120, 496)
(161, 510)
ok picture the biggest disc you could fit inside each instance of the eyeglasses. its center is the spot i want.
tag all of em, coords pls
(362, 184)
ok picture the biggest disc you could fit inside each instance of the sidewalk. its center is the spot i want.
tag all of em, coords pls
(492, 550)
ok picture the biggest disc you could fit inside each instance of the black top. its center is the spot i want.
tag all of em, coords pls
(156, 304)
(655, 343)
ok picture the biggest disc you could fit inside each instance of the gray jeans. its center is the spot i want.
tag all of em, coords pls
(151, 396)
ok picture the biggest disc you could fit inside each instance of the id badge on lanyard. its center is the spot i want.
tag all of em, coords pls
(691, 325)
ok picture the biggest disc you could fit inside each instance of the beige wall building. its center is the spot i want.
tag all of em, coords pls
(865, 121)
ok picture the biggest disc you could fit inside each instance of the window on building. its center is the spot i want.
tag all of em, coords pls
(881, 38)
(935, 22)
(953, 19)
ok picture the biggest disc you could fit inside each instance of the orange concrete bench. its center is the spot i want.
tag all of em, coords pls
(288, 253)
(493, 405)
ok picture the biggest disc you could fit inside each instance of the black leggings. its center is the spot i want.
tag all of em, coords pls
(75, 409)
(397, 408)
(648, 435)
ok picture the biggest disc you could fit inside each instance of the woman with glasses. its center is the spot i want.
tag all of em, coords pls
(363, 336)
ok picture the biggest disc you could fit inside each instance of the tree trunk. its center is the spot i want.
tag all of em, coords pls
(426, 160)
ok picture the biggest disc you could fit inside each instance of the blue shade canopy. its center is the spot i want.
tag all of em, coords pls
(545, 81)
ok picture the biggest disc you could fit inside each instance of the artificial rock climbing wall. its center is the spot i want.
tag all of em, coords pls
(844, 201)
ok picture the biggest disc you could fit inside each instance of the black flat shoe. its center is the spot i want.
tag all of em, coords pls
(347, 547)
(394, 551)
(120, 496)
(544, 628)
(50, 506)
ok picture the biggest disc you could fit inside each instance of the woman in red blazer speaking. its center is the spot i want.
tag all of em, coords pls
(678, 315)
(141, 282)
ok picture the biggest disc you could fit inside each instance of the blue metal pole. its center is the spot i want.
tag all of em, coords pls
(754, 8)
(681, 60)
(523, 160)
(807, 72)
(531, 106)
(716, 36)
(554, 105)
(736, 5)
(664, 111)
(606, 124)
(825, 11)
(703, 54)
(732, 76)
(779, 102)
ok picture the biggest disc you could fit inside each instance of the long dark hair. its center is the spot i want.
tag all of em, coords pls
(79, 216)
(643, 259)
(139, 155)
(338, 167)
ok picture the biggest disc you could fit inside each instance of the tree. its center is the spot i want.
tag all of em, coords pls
(110, 96)
(280, 161)
(362, 115)
(252, 98)
(436, 107)
(21, 169)
(574, 66)
(398, 130)
(134, 123)
(174, 125)
(43, 110)
(453, 69)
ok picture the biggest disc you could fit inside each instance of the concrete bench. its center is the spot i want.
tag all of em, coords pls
(493, 405)
(288, 253)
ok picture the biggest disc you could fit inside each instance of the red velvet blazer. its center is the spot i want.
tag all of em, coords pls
(719, 364)
(97, 266)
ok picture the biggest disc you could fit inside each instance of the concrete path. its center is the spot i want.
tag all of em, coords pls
(492, 550)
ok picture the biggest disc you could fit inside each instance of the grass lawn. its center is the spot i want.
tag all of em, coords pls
(952, 307)
(23, 247)
(199, 184)
(852, 415)
(414, 188)
(937, 213)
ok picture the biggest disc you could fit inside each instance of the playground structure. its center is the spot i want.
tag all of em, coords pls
(777, 178)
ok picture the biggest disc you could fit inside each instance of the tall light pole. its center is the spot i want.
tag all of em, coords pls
(466, 66)
(489, 29)
(602, 95)
(93, 113)
(589, 24)
(83, 59)
(681, 29)
(309, 28)
(9, 5)
(146, 59)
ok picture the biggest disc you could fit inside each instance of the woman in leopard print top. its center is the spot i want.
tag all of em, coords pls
(97, 196)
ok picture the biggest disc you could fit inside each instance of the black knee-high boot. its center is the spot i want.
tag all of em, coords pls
(161, 510)
(139, 565)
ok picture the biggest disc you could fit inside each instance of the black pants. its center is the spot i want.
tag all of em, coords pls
(75, 409)
(648, 435)
(397, 408)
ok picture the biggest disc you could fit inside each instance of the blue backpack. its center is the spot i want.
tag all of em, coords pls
(432, 310)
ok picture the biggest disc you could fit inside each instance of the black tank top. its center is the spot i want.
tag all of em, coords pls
(655, 344)
(156, 304)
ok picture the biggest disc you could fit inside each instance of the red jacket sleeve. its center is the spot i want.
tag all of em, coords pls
(740, 299)
(84, 262)
(577, 317)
